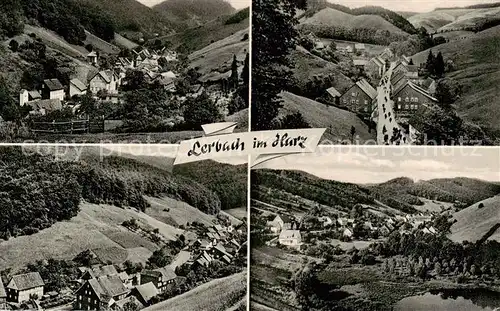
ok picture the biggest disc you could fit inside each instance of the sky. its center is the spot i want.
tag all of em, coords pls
(365, 165)
(161, 150)
(411, 6)
(237, 4)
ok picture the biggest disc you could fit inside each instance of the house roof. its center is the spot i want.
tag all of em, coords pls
(367, 88)
(53, 84)
(107, 75)
(3, 293)
(47, 104)
(34, 94)
(78, 84)
(398, 76)
(26, 281)
(290, 234)
(333, 92)
(204, 259)
(147, 291)
(166, 273)
(92, 54)
(169, 74)
(107, 287)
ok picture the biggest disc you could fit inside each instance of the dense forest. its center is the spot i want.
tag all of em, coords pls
(365, 35)
(227, 181)
(474, 6)
(36, 191)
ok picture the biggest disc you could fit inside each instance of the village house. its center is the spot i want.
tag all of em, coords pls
(398, 79)
(333, 95)
(52, 89)
(100, 293)
(145, 292)
(290, 238)
(106, 81)
(359, 97)
(387, 54)
(203, 260)
(97, 271)
(77, 88)
(360, 47)
(410, 98)
(376, 67)
(280, 223)
(163, 278)
(92, 58)
(347, 233)
(23, 287)
(219, 252)
(360, 63)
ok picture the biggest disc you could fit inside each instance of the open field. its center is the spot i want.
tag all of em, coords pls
(434, 20)
(100, 44)
(432, 205)
(239, 213)
(96, 227)
(216, 295)
(55, 41)
(338, 122)
(472, 19)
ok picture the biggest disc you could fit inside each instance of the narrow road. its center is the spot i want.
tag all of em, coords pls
(385, 115)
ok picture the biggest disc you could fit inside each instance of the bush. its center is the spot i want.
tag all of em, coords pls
(481, 205)
(200, 111)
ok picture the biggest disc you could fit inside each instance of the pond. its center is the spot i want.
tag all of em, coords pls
(452, 300)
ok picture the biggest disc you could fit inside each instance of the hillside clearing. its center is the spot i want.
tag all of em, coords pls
(239, 213)
(167, 210)
(338, 122)
(215, 295)
(473, 222)
(434, 20)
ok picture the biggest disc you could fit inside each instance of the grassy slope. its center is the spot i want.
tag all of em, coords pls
(178, 212)
(100, 44)
(472, 19)
(473, 222)
(337, 121)
(218, 56)
(335, 18)
(195, 38)
(94, 227)
(215, 295)
(477, 64)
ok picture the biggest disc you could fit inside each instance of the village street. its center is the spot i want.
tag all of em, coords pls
(385, 115)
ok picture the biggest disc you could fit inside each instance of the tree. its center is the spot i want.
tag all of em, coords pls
(130, 306)
(429, 66)
(134, 80)
(201, 110)
(411, 62)
(439, 65)
(294, 121)
(273, 36)
(353, 132)
(160, 258)
(14, 45)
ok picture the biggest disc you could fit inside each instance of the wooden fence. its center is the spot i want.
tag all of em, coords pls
(69, 127)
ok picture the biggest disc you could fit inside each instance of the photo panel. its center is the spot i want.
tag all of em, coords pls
(376, 228)
(122, 71)
(377, 72)
(119, 227)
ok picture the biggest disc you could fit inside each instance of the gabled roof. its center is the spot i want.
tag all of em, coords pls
(147, 291)
(53, 84)
(166, 273)
(290, 234)
(204, 259)
(333, 92)
(397, 77)
(367, 88)
(78, 84)
(34, 94)
(417, 89)
(26, 281)
(3, 293)
(107, 287)
(47, 104)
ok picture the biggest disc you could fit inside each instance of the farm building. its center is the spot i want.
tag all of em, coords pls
(24, 286)
(105, 80)
(410, 97)
(77, 87)
(163, 278)
(52, 89)
(100, 293)
(290, 238)
(359, 97)
(279, 223)
(376, 67)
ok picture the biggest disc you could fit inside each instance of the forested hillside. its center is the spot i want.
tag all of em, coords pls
(36, 191)
(229, 182)
(203, 10)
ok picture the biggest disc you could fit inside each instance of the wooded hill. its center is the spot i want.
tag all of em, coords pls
(194, 11)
